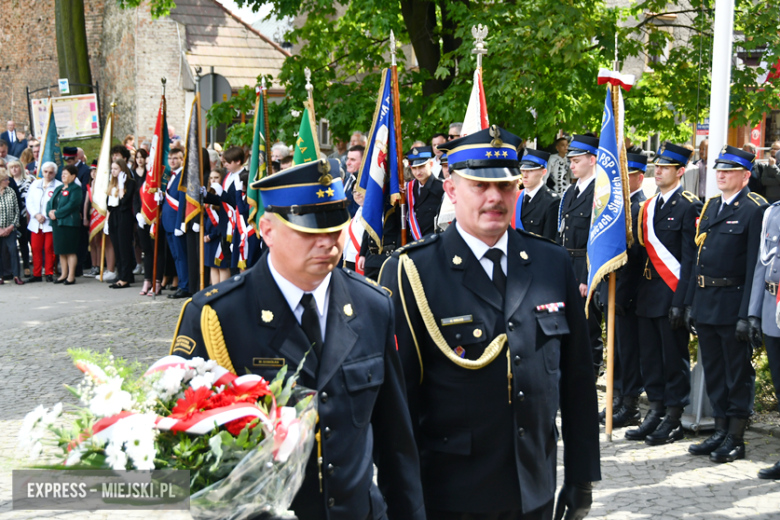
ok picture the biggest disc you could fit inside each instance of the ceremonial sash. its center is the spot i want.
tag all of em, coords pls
(245, 233)
(414, 226)
(172, 201)
(96, 220)
(663, 261)
(213, 216)
(356, 245)
(517, 221)
(231, 215)
(219, 256)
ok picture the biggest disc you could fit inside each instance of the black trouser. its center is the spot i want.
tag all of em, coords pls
(24, 242)
(120, 230)
(594, 333)
(147, 246)
(543, 513)
(193, 256)
(165, 263)
(728, 371)
(773, 355)
(627, 351)
(665, 361)
(83, 250)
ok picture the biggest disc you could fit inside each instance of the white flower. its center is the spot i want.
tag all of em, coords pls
(36, 450)
(30, 421)
(115, 457)
(137, 433)
(210, 365)
(197, 363)
(51, 416)
(74, 457)
(206, 380)
(169, 383)
(110, 399)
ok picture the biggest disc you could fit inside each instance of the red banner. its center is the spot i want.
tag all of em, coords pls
(155, 167)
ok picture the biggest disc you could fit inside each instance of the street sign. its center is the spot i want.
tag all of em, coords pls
(64, 86)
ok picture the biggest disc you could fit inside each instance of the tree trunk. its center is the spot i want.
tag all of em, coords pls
(72, 52)
(420, 20)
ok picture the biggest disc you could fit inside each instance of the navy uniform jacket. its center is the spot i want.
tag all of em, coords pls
(427, 203)
(478, 452)
(362, 400)
(728, 248)
(228, 197)
(574, 227)
(172, 218)
(675, 227)
(763, 304)
(540, 215)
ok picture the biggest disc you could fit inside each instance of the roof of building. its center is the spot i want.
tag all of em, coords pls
(217, 38)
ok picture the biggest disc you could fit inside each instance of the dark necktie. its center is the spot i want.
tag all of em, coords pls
(526, 200)
(722, 207)
(499, 278)
(576, 191)
(310, 323)
(659, 203)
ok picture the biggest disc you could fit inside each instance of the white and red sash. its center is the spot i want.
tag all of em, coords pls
(173, 202)
(213, 215)
(414, 226)
(231, 214)
(245, 232)
(663, 260)
(355, 229)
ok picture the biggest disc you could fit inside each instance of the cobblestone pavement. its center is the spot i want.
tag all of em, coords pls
(639, 481)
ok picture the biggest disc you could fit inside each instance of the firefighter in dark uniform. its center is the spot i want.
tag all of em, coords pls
(293, 303)
(628, 376)
(574, 228)
(391, 239)
(537, 205)
(763, 306)
(728, 236)
(667, 226)
(424, 193)
(493, 340)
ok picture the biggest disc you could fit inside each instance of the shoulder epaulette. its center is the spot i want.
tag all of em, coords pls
(208, 295)
(430, 239)
(758, 199)
(689, 196)
(368, 281)
(534, 235)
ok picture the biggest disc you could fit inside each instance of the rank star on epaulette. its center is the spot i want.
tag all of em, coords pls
(212, 292)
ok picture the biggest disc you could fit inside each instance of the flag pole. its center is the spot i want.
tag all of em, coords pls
(265, 116)
(479, 32)
(398, 143)
(201, 252)
(156, 223)
(105, 223)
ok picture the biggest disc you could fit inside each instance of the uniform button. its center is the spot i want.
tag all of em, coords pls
(517, 360)
(331, 502)
(521, 431)
(703, 248)
(510, 326)
(567, 227)
(520, 397)
(458, 336)
(445, 439)
(331, 469)
(567, 215)
(324, 397)
(327, 432)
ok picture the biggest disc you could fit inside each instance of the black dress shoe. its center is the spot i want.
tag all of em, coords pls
(772, 473)
(179, 295)
(49, 277)
(119, 286)
(714, 441)
(733, 446)
(60, 280)
(649, 425)
(628, 414)
(66, 282)
(32, 279)
(668, 431)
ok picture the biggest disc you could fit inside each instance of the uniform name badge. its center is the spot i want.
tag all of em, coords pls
(268, 362)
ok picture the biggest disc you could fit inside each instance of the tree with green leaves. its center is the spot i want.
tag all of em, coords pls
(540, 72)
(72, 52)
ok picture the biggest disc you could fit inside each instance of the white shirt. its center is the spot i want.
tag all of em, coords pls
(356, 228)
(725, 202)
(293, 294)
(583, 184)
(633, 193)
(669, 193)
(533, 192)
(479, 248)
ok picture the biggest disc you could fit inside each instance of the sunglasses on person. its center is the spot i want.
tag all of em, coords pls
(451, 137)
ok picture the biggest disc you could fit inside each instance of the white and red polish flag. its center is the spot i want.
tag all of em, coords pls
(476, 114)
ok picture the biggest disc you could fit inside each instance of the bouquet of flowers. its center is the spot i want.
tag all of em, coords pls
(244, 440)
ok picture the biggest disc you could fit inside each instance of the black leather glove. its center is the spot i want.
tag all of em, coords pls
(676, 317)
(690, 323)
(756, 334)
(597, 301)
(574, 500)
(620, 310)
(743, 330)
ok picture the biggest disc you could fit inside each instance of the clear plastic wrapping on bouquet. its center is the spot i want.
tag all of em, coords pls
(260, 483)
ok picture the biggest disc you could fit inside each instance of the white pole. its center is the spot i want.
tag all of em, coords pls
(721, 82)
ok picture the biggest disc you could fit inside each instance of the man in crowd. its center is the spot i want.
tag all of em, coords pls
(668, 224)
(424, 193)
(559, 177)
(764, 177)
(120, 152)
(295, 303)
(574, 228)
(491, 349)
(172, 212)
(455, 129)
(436, 140)
(32, 167)
(728, 235)
(4, 155)
(358, 139)
(537, 205)
(628, 377)
(354, 160)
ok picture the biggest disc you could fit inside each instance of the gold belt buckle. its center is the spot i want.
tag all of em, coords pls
(700, 280)
(772, 288)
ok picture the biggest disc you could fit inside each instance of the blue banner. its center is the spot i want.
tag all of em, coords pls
(378, 176)
(607, 240)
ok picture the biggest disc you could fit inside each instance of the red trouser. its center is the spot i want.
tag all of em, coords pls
(41, 242)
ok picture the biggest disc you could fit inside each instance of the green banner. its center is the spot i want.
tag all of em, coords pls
(257, 164)
(307, 147)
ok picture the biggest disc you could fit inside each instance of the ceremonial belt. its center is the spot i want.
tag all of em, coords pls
(706, 281)
(575, 253)
(771, 288)
(387, 250)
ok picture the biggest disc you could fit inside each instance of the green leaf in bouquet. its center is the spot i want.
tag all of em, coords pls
(216, 448)
(301, 405)
(276, 384)
(284, 396)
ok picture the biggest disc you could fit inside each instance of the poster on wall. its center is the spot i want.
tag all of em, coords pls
(76, 116)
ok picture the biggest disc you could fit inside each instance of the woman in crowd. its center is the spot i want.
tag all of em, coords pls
(92, 220)
(26, 158)
(64, 210)
(41, 238)
(212, 251)
(9, 221)
(121, 190)
(144, 229)
(140, 157)
(129, 142)
(23, 181)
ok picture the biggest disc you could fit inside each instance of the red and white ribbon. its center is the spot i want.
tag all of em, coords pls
(663, 260)
(616, 78)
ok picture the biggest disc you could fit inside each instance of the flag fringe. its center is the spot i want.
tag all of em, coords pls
(608, 267)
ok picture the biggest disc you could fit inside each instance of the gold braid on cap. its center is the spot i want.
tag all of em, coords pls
(214, 339)
(488, 356)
